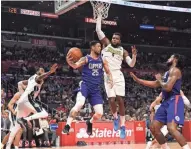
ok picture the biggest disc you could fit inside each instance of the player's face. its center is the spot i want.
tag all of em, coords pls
(170, 61)
(116, 40)
(97, 48)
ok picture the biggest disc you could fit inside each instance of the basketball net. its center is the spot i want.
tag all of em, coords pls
(100, 8)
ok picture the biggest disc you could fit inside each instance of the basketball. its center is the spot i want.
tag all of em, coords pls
(76, 53)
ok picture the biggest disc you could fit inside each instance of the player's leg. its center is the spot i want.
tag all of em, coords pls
(32, 107)
(120, 92)
(175, 117)
(160, 119)
(80, 101)
(112, 103)
(18, 138)
(13, 132)
(96, 101)
(5, 140)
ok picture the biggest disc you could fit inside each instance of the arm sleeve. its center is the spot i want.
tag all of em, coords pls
(100, 33)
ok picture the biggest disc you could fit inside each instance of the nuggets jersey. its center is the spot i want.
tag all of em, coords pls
(92, 72)
(31, 84)
(175, 90)
(114, 56)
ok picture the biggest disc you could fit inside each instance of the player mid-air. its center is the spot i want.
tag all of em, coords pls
(171, 111)
(26, 103)
(92, 75)
(115, 54)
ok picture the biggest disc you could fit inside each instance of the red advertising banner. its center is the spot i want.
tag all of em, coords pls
(102, 133)
(43, 42)
(106, 22)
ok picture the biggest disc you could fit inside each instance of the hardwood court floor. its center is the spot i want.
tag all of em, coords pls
(118, 146)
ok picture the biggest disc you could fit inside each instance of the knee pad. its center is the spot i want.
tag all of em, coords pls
(98, 109)
(80, 100)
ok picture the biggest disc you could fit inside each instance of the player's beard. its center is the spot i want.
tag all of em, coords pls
(115, 46)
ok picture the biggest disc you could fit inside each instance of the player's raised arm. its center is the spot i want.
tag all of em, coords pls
(78, 64)
(13, 101)
(127, 58)
(151, 84)
(174, 75)
(104, 40)
(107, 71)
(40, 78)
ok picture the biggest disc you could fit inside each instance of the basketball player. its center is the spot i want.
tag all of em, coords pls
(171, 111)
(26, 104)
(28, 96)
(115, 54)
(12, 117)
(154, 107)
(92, 74)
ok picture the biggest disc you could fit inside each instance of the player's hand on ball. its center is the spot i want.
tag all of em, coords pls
(158, 76)
(69, 58)
(53, 68)
(134, 50)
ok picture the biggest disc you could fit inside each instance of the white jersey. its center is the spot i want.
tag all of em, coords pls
(31, 84)
(114, 56)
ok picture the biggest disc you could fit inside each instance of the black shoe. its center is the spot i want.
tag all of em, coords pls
(23, 144)
(66, 129)
(89, 127)
(22, 122)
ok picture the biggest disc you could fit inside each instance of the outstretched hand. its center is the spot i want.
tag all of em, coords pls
(133, 76)
(134, 50)
(53, 68)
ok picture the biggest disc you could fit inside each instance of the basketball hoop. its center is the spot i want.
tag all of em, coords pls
(100, 8)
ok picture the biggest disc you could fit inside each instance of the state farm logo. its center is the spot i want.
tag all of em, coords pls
(105, 133)
(139, 128)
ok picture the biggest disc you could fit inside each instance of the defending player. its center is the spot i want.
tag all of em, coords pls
(171, 111)
(115, 54)
(92, 74)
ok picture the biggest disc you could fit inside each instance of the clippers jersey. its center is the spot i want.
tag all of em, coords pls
(175, 90)
(92, 72)
(114, 56)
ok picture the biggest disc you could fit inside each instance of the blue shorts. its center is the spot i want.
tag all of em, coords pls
(93, 94)
(171, 109)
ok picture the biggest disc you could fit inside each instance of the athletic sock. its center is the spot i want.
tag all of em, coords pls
(69, 121)
(186, 146)
(165, 146)
(122, 120)
(16, 147)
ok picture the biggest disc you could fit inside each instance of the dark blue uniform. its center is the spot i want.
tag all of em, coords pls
(92, 75)
(172, 106)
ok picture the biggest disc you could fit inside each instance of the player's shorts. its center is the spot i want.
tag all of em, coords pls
(118, 88)
(171, 109)
(27, 107)
(92, 94)
(12, 119)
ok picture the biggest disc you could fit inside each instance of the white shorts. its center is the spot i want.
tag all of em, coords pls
(118, 88)
(27, 107)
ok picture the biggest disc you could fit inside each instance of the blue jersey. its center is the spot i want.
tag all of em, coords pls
(92, 72)
(175, 89)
